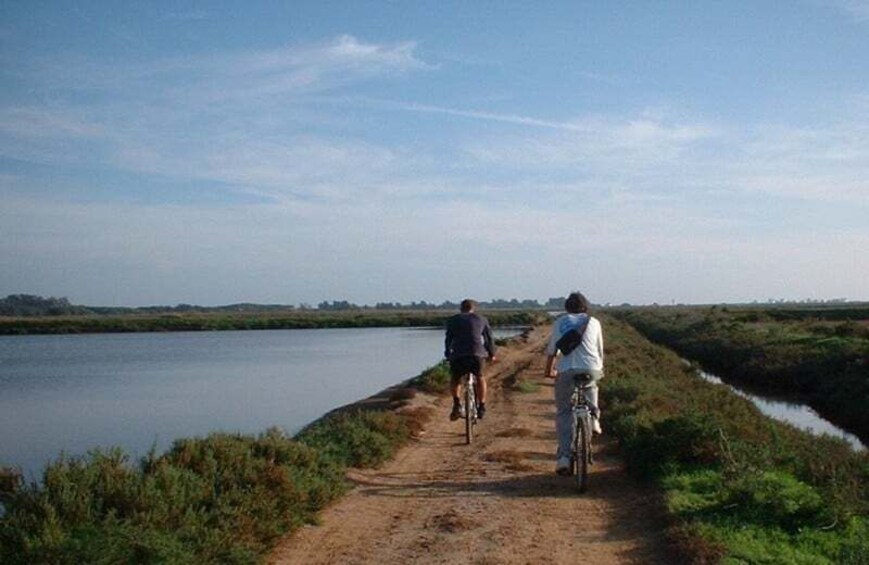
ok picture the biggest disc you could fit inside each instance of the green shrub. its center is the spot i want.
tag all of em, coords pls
(683, 440)
(358, 438)
(218, 499)
(435, 379)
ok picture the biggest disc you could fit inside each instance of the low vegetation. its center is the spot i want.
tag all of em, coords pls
(220, 499)
(741, 488)
(817, 354)
(435, 379)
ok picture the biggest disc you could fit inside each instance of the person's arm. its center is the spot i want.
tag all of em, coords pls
(448, 340)
(551, 353)
(550, 364)
(488, 343)
(600, 347)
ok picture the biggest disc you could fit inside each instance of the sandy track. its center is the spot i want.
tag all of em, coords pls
(498, 501)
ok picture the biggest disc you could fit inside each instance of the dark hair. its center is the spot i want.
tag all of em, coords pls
(467, 305)
(576, 303)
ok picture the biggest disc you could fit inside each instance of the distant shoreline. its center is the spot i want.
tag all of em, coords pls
(174, 322)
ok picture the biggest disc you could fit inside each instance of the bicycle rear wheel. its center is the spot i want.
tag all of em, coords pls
(582, 448)
(470, 411)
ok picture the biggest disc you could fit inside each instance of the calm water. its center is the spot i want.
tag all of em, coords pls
(794, 413)
(74, 393)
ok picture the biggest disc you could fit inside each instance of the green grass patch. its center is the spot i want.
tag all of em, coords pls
(527, 387)
(435, 379)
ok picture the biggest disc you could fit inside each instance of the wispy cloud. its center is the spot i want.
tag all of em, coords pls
(42, 122)
(857, 9)
(238, 118)
(667, 155)
(290, 70)
(489, 116)
(299, 69)
(619, 146)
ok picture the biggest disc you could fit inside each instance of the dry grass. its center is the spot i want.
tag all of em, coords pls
(513, 460)
(452, 521)
(416, 418)
(403, 393)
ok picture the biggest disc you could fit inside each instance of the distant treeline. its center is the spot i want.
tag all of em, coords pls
(254, 320)
(31, 305)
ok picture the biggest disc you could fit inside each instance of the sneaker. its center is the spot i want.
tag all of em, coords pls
(595, 426)
(458, 412)
(481, 411)
(562, 466)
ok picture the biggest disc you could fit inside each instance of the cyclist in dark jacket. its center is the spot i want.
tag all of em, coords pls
(468, 341)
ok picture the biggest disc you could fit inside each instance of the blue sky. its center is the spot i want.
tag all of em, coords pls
(289, 152)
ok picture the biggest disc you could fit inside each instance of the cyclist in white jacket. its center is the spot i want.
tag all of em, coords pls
(586, 358)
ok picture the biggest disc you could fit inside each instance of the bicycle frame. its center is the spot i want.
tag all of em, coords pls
(469, 381)
(583, 412)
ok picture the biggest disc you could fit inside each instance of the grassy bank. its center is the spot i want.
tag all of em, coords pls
(820, 355)
(740, 488)
(290, 319)
(220, 499)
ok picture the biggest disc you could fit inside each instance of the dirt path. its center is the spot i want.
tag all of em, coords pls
(497, 501)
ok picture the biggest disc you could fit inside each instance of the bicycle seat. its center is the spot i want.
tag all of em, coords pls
(583, 379)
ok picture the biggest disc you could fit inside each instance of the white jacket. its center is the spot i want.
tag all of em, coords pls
(589, 355)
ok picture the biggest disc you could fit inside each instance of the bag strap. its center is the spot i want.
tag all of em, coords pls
(584, 326)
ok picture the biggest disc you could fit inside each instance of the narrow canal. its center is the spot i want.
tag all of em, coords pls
(795, 413)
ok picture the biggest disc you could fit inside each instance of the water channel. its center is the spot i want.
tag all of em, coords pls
(799, 415)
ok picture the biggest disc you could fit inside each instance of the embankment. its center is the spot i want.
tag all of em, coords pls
(818, 356)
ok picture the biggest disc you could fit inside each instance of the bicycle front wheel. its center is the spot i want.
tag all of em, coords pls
(470, 412)
(582, 448)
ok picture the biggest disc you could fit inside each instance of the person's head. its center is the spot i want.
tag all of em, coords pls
(467, 305)
(576, 303)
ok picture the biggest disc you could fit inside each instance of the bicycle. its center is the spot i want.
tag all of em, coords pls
(469, 381)
(583, 412)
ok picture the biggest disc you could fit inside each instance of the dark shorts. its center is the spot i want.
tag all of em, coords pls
(463, 365)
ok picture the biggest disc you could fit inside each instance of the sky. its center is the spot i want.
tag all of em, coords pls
(293, 152)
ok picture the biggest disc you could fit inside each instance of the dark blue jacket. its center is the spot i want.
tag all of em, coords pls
(468, 334)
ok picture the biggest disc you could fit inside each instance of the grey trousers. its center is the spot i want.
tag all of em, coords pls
(563, 414)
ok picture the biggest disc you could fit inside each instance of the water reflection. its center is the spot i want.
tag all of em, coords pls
(799, 415)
